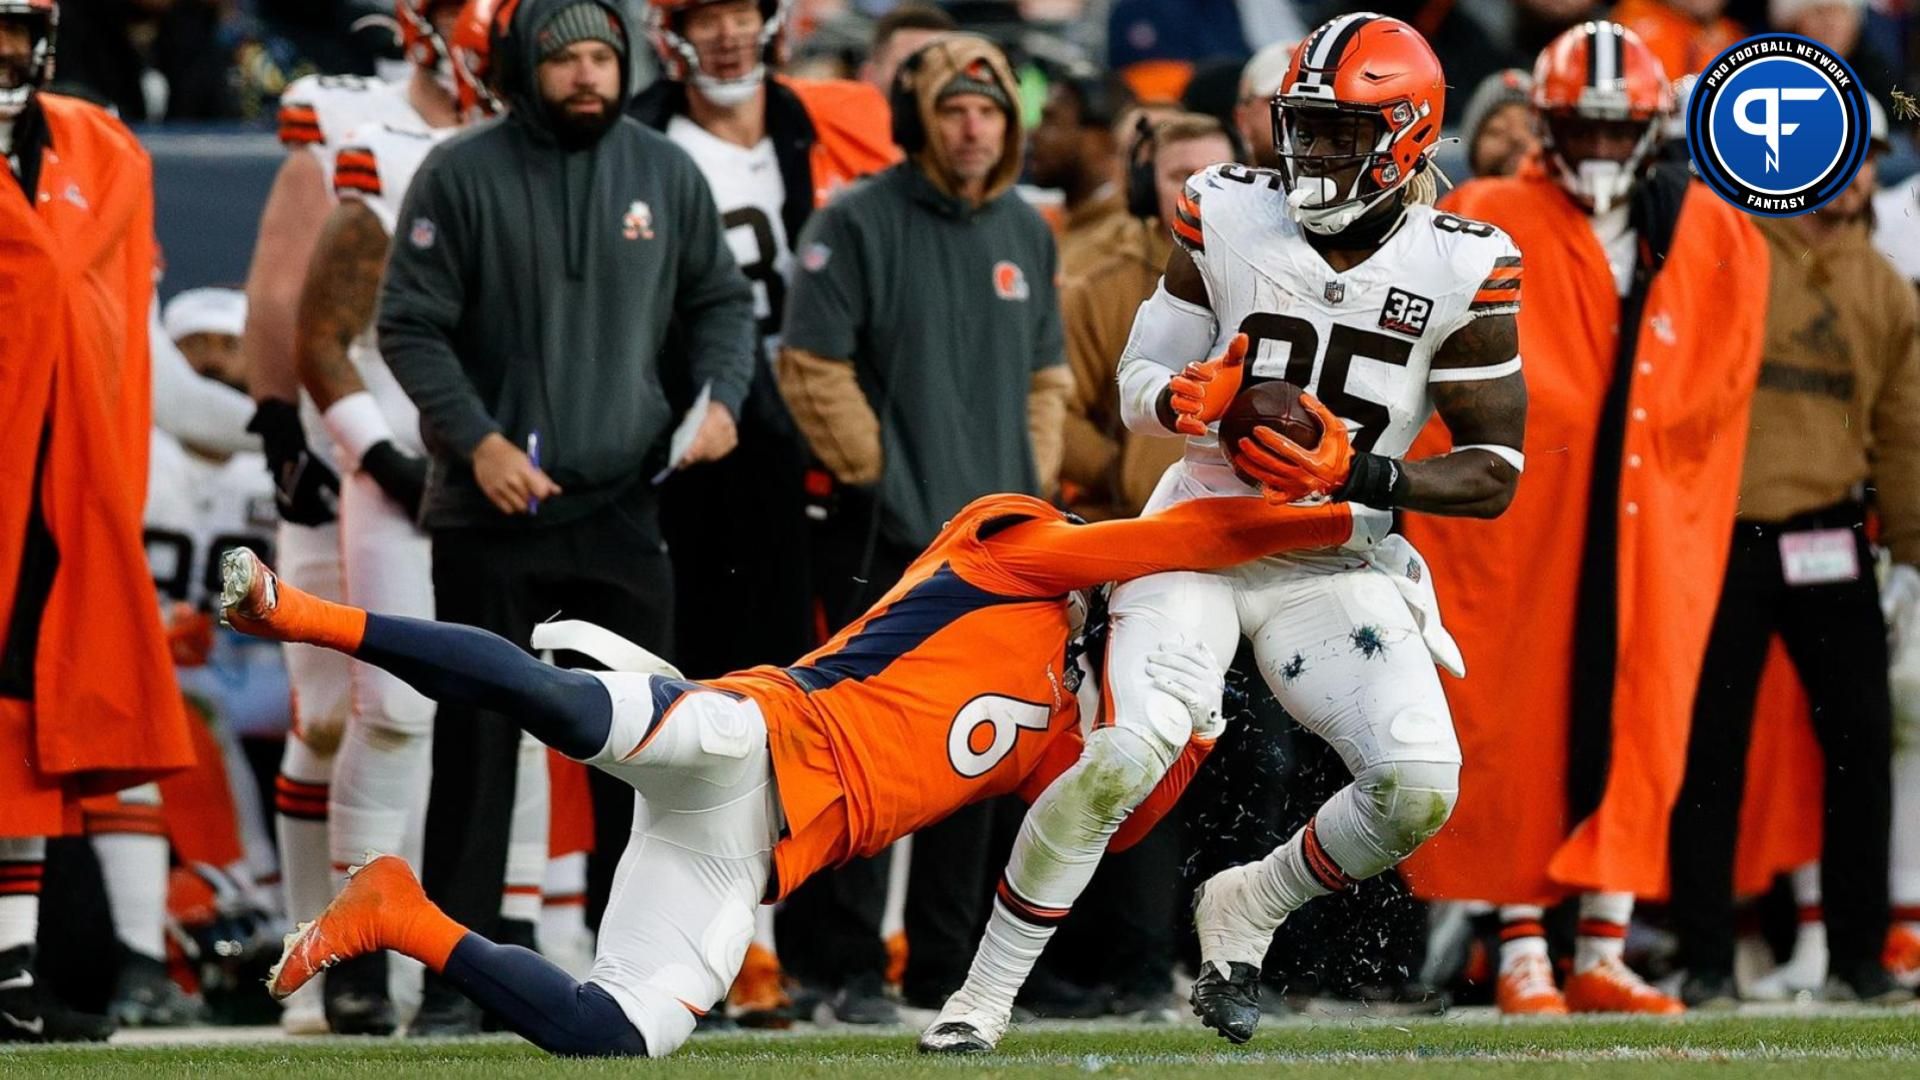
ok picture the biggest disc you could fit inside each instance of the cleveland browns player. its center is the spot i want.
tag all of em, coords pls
(958, 685)
(1351, 286)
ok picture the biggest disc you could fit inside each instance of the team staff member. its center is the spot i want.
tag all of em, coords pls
(922, 360)
(510, 315)
(772, 149)
(76, 272)
(1838, 407)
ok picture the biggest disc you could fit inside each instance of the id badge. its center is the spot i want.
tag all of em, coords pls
(1819, 557)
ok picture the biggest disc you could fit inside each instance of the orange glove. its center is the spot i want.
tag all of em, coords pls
(189, 635)
(1200, 394)
(1290, 472)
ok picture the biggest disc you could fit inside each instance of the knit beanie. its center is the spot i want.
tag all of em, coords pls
(976, 78)
(1508, 87)
(585, 21)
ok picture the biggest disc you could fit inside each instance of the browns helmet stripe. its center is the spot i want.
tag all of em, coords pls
(1322, 52)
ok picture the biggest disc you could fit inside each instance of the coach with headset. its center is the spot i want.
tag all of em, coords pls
(922, 359)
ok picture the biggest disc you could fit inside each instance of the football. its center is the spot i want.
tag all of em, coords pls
(1275, 405)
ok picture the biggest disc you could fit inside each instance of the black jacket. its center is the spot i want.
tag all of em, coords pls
(530, 290)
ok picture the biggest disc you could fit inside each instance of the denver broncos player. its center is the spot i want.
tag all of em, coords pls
(957, 686)
(1350, 285)
(316, 115)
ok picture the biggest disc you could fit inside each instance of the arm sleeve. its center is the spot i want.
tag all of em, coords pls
(832, 413)
(421, 300)
(198, 411)
(1162, 798)
(1896, 437)
(1168, 332)
(1050, 557)
(715, 302)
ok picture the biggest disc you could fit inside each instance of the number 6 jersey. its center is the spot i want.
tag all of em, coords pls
(1362, 340)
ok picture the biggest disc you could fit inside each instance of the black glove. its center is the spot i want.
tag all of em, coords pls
(305, 490)
(400, 474)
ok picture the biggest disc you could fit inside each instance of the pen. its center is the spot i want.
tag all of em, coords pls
(533, 456)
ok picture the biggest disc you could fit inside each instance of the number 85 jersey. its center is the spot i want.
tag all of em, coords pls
(1362, 340)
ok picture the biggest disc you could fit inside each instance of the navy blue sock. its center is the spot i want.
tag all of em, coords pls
(541, 1003)
(462, 665)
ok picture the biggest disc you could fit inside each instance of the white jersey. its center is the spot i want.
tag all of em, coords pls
(374, 165)
(196, 510)
(1363, 340)
(1896, 228)
(317, 114)
(750, 193)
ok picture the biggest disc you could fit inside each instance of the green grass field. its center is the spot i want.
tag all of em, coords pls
(1876, 1046)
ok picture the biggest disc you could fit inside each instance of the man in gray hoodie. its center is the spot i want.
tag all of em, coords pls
(551, 272)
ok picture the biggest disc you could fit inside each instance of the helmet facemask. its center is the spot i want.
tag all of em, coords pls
(1336, 160)
(18, 81)
(680, 53)
(1597, 180)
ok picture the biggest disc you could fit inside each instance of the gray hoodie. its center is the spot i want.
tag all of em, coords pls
(531, 288)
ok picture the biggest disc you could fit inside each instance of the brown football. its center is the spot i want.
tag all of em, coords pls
(1275, 405)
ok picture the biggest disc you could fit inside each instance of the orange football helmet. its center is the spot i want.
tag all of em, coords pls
(681, 61)
(419, 41)
(470, 52)
(1379, 76)
(1599, 73)
(43, 19)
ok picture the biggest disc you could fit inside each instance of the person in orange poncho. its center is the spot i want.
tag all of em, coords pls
(88, 703)
(1584, 611)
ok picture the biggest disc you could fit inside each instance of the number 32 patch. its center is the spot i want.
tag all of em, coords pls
(1405, 313)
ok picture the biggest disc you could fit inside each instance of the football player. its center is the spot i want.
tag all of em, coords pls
(958, 685)
(1350, 285)
(316, 114)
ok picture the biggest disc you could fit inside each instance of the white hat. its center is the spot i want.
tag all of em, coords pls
(1263, 74)
(205, 311)
(1781, 12)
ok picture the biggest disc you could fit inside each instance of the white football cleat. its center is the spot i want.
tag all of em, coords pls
(964, 1026)
(304, 1013)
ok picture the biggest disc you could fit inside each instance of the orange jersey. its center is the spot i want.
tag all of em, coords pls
(955, 686)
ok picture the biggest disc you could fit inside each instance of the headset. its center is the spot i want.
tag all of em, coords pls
(1142, 200)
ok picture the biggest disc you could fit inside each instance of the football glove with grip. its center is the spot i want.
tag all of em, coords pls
(1187, 672)
(1289, 471)
(1200, 394)
(305, 490)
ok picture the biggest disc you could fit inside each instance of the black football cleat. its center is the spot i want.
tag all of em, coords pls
(1226, 998)
(355, 992)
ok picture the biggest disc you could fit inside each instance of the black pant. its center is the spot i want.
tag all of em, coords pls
(1837, 639)
(611, 569)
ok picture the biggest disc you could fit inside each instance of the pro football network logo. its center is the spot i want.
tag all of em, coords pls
(1777, 125)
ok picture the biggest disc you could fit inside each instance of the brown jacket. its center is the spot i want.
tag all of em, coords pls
(1112, 470)
(1839, 396)
(1086, 237)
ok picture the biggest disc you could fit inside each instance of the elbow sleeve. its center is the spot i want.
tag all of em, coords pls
(1167, 334)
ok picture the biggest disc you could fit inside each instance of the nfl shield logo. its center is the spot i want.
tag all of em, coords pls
(1336, 291)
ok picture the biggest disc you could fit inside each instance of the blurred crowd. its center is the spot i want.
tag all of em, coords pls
(805, 434)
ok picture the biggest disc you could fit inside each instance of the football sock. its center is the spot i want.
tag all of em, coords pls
(1008, 950)
(527, 836)
(1602, 934)
(131, 845)
(1294, 873)
(1903, 879)
(377, 783)
(262, 871)
(21, 861)
(300, 819)
(460, 665)
(563, 907)
(1523, 934)
(540, 1002)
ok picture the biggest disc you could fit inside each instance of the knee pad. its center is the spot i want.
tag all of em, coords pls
(1408, 800)
(1119, 768)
